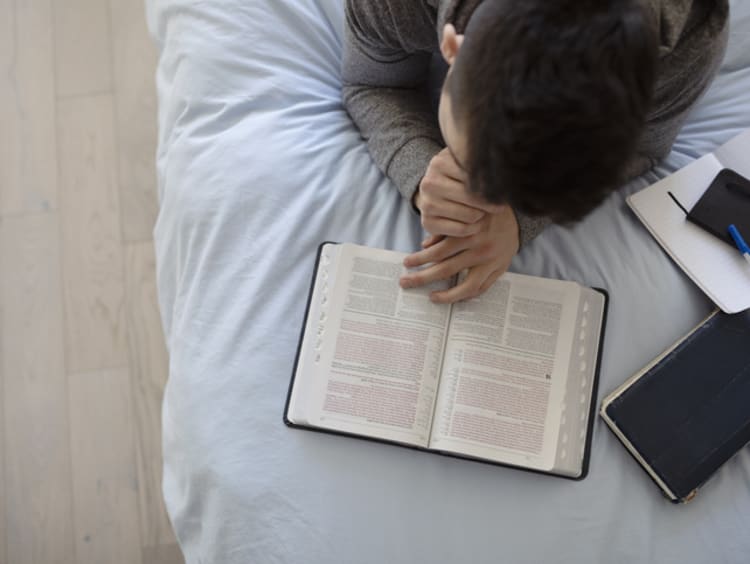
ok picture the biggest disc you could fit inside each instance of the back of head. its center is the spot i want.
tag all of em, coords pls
(552, 96)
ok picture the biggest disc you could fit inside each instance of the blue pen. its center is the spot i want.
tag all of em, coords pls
(740, 242)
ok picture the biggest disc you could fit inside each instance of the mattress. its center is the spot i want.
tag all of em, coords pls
(258, 163)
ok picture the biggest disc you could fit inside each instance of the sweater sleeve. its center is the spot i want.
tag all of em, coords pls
(387, 53)
(693, 42)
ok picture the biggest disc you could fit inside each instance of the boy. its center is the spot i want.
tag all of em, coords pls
(547, 106)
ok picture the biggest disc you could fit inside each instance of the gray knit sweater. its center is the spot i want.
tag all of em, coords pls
(390, 45)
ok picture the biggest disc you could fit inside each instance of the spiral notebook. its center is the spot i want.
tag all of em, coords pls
(507, 378)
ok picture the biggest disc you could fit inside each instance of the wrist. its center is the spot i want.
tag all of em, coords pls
(512, 227)
(517, 230)
(416, 201)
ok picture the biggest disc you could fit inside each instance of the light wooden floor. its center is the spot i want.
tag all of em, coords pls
(82, 365)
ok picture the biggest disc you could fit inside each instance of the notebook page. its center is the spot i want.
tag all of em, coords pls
(734, 154)
(717, 268)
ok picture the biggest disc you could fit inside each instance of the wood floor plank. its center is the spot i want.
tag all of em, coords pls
(28, 160)
(105, 483)
(83, 56)
(3, 499)
(149, 367)
(134, 67)
(38, 504)
(163, 554)
(92, 250)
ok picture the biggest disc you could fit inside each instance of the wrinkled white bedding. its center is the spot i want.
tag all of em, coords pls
(258, 163)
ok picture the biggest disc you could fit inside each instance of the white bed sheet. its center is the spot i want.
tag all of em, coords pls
(258, 163)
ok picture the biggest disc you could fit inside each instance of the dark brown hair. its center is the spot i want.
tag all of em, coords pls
(553, 96)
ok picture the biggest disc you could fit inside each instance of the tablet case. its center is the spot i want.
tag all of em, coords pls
(726, 202)
(688, 412)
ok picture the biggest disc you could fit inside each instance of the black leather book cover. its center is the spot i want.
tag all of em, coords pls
(726, 202)
(690, 412)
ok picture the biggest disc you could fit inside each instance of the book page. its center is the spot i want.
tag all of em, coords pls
(733, 154)
(376, 370)
(504, 372)
(577, 406)
(313, 331)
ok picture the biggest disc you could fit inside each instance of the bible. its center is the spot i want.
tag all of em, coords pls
(509, 377)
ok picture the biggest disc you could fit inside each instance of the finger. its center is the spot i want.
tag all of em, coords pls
(439, 271)
(449, 227)
(470, 287)
(432, 240)
(445, 163)
(439, 206)
(447, 180)
(438, 185)
(488, 207)
(491, 279)
(445, 183)
(464, 196)
(436, 253)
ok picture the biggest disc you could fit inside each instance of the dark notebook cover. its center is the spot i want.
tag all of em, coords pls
(726, 202)
(690, 412)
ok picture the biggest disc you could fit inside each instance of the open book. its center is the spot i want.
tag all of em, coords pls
(508, 377)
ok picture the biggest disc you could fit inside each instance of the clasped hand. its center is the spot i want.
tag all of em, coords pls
(466, 233)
